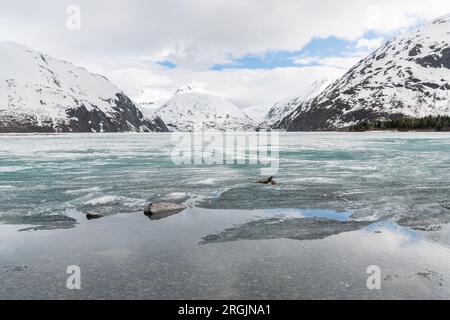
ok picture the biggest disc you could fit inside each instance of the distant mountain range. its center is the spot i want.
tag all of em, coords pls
(409, 76)
(39, 93)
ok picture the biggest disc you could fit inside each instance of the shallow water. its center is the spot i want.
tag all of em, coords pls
(344, 201)
(132, 257)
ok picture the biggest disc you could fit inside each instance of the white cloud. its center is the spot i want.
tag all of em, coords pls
(343, 63)
(123, 38)
(244, 87)
(197, 33)
(370, 44)
(307, 60)
(143, 85)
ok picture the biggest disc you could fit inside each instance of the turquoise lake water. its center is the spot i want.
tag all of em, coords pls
(343, 201)
(402, 177)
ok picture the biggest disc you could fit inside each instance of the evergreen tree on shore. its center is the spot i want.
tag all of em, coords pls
(439, 123)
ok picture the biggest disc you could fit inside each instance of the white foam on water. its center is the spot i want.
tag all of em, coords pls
(84, 190)
(132, 202)
(208, 181)
(13, 169)
(177, 195)
(315, 180)
(372, 218)
(103, 200)
(7, 187)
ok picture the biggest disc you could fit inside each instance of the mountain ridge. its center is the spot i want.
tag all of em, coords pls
(39, 93)
(408, 76)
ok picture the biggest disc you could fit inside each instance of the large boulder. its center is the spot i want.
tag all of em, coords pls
(160, 210)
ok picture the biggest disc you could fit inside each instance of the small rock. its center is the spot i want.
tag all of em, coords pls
(93, 216)
(160, 210)
(20, 268)
(269, 180)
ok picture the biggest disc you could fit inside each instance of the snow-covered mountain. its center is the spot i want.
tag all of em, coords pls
(408, 76)
(284, 108)
(148, 108)
(192, 108)
(39, 93)
(258, 113)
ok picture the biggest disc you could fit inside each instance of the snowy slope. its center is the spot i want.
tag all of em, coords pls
(284, 108)
(148, 109)
(41, 94)
(257, 113)
(192, 107)
(408, 76)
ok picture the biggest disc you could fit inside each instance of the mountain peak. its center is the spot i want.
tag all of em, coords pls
(441, 20)
(191, 88)
(192, 107)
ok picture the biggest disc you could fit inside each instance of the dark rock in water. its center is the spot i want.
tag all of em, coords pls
(20, 268)
(161, 210)
(94, 216)
(269, 180)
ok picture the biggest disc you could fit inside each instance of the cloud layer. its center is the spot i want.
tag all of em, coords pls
(125, 39)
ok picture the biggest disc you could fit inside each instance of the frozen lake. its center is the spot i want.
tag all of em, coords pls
(344, 202)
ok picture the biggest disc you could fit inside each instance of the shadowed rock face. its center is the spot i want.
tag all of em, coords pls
(438, 59)
(408, 76)
(279, 228)
(80, 119)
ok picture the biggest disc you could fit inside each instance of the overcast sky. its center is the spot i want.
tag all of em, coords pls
(249, 51)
